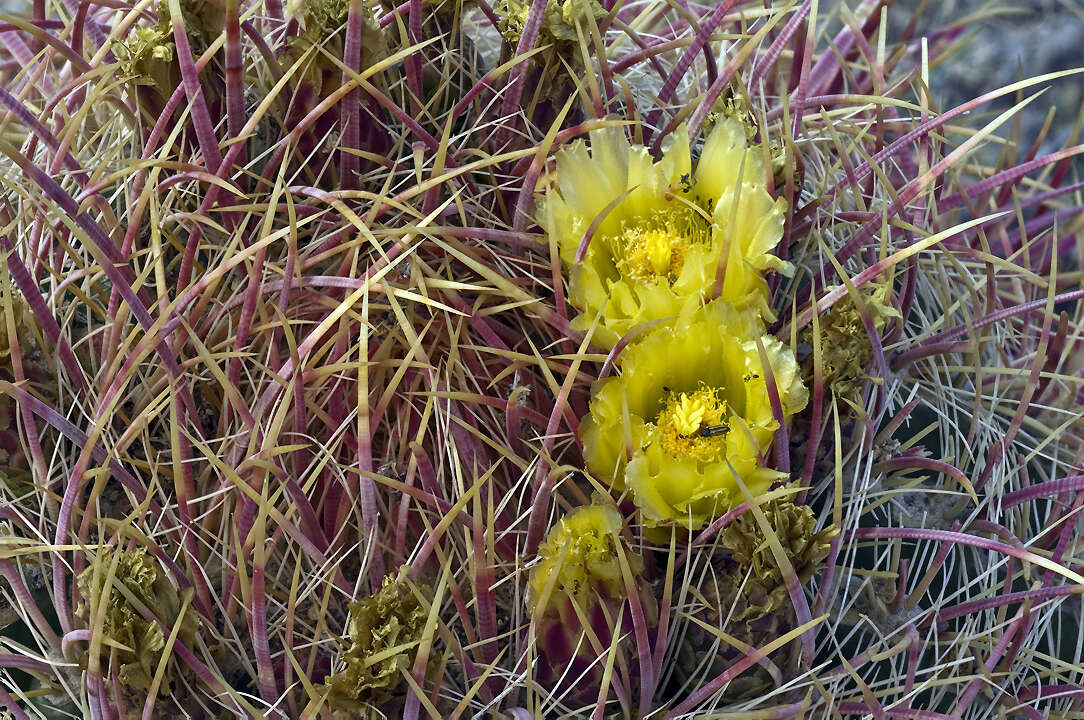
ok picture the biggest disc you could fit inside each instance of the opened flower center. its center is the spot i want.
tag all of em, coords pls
(650, 254)
(656, 247)
(694, 425)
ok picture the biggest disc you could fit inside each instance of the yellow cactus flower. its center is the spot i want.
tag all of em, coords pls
(664, 231)
(691, 402)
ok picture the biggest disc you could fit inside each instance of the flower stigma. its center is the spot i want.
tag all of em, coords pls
(656, 248)
(694, 425)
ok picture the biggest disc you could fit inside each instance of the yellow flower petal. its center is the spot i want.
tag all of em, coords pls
(727, 160)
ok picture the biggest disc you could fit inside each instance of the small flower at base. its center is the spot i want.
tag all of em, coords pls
(578, 597)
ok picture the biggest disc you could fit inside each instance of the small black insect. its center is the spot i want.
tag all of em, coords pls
(713, 430)
(686, 183)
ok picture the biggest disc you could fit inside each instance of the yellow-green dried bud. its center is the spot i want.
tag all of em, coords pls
(805, 548)
(319, 19)
(384, 629)
(26, 330)
(15, 471)
(845, 346)
(746, 599)
(137, 589)
(324, 21)
(148, 54)
(559, 20)
(146, 48)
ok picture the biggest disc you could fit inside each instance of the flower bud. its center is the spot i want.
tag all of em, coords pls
(578, 595)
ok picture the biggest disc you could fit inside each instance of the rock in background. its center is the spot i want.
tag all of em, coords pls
(1022, 39)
